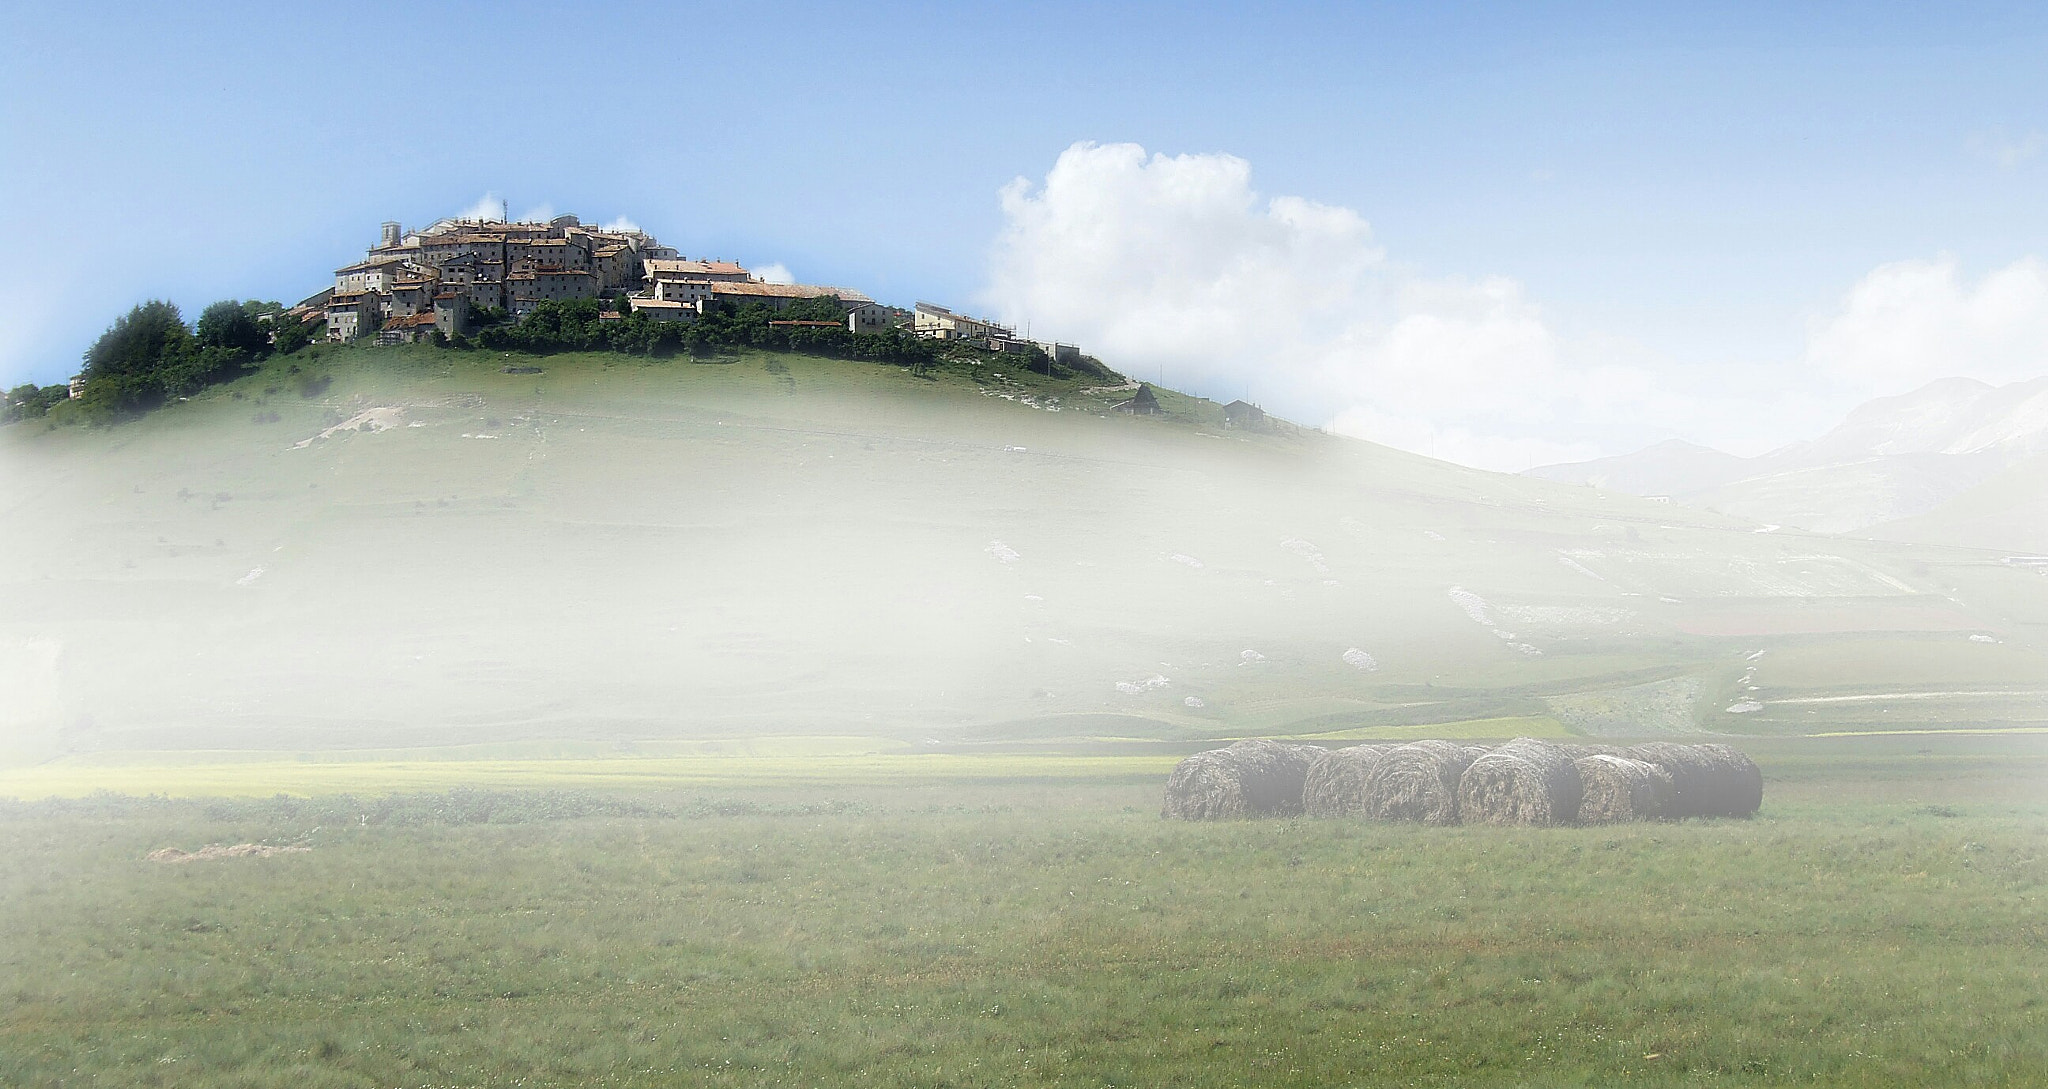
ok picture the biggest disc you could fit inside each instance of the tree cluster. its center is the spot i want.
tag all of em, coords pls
(149, 355)
(579, 325)
(30, 401)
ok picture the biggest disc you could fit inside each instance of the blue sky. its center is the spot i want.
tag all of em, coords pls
(1690, 189)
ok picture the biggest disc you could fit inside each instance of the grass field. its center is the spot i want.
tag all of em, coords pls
(1880, 923)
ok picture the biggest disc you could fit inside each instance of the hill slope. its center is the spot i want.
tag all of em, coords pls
(431, 551)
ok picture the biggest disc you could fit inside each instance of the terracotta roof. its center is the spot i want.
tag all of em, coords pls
(756, 289)
(675, 267)
(374, 262)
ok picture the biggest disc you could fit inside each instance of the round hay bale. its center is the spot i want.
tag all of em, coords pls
(1739, 782)
(1579, 749)
(1252, 778)
(1335, 784)
(1205, 787)
(1525, 781)
(1615, 789)
(1706, 780)
(1417, 782)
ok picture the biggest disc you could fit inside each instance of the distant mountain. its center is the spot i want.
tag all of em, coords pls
(1670, 467)
(1891, 459)
(1953, 417)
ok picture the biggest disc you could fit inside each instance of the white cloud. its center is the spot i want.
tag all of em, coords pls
(539, 213)
(774, 272)
(620, 224)
(1910, 322)
(488, 206)
(1176, 264)
(1175, 268)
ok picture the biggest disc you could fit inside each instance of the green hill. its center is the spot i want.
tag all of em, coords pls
(405, 548)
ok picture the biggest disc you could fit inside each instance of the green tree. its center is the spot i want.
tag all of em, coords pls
(228, 324)
(124, 367)
(816, 308)
(137, 342)
(199, 366)
(291, 334)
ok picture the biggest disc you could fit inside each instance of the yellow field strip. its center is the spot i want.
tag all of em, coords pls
(1889, 697)
(267, 777)
(779, 747)
(1477, 728)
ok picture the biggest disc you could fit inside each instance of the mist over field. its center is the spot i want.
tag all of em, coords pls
(429, 552)
(417, 716)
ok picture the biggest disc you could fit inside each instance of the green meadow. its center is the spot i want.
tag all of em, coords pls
(1018, 920)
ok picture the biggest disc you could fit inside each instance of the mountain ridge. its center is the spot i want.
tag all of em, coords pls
(1890, 459)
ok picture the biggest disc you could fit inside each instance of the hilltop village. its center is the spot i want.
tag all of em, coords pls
(557, 286)
(448, 277)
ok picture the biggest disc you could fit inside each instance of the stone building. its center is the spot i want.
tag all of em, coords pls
(1244, 414)
(939, 323)
(408, 329)
(352, 314)
(490, 263)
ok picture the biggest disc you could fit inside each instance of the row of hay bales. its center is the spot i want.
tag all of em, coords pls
(1524, 782)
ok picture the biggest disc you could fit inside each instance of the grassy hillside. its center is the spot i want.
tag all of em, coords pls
(393, 549)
